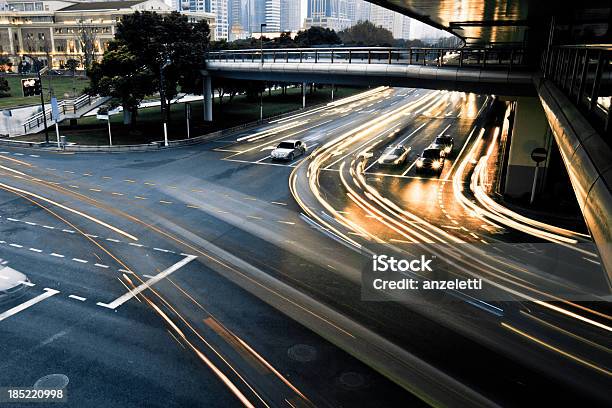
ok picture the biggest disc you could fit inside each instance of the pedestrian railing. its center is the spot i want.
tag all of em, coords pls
(506, 58)
(66, 107)
(584, 74)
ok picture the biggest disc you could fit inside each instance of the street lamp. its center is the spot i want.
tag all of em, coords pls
(42, 97)
(162, 98)
(262, 61)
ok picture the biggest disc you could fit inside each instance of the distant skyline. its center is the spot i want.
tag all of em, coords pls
(240, 18)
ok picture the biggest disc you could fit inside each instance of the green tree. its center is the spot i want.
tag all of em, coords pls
(316, 36)
(144, 43)
(71, 65)
(364, 33)
(121, 76)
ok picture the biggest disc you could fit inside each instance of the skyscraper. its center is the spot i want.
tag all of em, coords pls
(398, 24)
(291, 15)
(264, 11)
(328, 13)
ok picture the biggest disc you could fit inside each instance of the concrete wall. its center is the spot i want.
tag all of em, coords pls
(530, 131)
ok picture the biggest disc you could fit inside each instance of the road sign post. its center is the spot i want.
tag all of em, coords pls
(538, 155)
(187, 116)
(55, 116)
(104, 114)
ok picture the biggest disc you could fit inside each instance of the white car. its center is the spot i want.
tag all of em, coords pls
(288, 150)
(12, 284)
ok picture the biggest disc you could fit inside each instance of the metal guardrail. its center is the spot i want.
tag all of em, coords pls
(65, 106)
(584, 74)
(507, 58)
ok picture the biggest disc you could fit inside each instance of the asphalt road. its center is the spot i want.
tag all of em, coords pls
(193, 277)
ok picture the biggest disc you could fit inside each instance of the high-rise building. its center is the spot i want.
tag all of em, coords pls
(332, 14)
(219, 9)
(291, 15)
(398, 24)
(264, 12)
(273, 16)
(236, 20)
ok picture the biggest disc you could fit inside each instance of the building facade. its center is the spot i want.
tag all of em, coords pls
(291, 15)
(333, 14)
(50, 30)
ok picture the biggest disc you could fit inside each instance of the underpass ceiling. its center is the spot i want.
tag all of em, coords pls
(505, 21)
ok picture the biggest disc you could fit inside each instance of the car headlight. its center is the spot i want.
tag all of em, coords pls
(397, 161)
(435, 165)
(419, 163)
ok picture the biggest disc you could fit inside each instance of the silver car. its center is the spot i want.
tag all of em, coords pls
(13, 284)
(288, 150)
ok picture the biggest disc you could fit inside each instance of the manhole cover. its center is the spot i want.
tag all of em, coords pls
(302, 353)
(55, 381)
(352, 380)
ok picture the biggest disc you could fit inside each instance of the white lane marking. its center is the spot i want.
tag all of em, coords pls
(33, 155)
(80, 298)
(11, 219)
(136, 245)
(161, 250)
(91, 236)
(16, 245)
(79, 260)
(101, 266)
(31, 302)
(31, 223)
(68, 231)
(26, 283)
(48, 227)
(89, 217)
(130, 294)
(57, 255)
(35, 250)
(112, 240)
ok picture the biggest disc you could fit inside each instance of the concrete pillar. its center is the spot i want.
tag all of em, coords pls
(207, 99)
(529, 131)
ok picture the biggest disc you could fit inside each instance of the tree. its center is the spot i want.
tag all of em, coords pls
(86, 36)
(172, 42)
(364, 33)
(144, 43)
(72, 65)
(121, 76)
(316, 36)
(5, 89)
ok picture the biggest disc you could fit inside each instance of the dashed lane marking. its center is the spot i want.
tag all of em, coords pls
(79, 298)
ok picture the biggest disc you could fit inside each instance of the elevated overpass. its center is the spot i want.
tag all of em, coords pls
(499, 71)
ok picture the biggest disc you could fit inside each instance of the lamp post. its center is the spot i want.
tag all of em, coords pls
(42, 97)
(262, 61)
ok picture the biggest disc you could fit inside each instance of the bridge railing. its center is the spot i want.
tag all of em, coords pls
(584, 74)
(505, 58)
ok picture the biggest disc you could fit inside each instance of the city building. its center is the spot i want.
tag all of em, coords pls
(291, 15)
(49, 30)
(398, 24)
(333, 14)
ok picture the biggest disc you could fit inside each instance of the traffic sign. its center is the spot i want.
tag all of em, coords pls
(539, 154)
(54, 109)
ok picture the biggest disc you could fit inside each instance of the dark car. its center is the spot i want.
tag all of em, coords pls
(394, 156)
(444, 143)
(432, 159)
